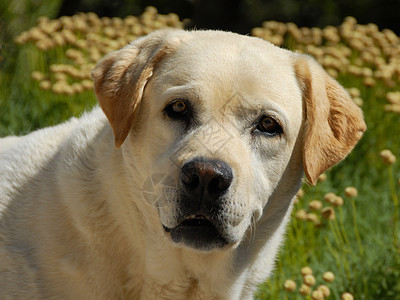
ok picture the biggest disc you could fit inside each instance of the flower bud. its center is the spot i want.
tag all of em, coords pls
(322, 177)
(328, 213)
(309, 280)
(330, 198)
(305, 290)
(328, 276)
(350, 192)
(315, 205)
(301, 214)
(306, 271)
(312, 217)
(38, 76)
(347, 296)
(289, 285)
(325, 290)
(45, 85)
(317, 295)
(338, 201)
(388, 157)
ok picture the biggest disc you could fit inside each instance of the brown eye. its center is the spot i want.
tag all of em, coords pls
(270, 126)
(178, 109)
(179, 106)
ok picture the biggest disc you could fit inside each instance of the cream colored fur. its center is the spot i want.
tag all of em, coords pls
(74, 221)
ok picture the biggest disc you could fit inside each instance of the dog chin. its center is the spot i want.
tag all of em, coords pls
(199, 233)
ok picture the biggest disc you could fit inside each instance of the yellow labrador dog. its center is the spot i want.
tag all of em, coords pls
(180, 186)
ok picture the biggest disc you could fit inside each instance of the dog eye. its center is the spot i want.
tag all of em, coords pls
(269, 125)
(179, 106)
(177, 109)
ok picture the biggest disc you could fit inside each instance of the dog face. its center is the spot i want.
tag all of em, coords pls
(222, 122)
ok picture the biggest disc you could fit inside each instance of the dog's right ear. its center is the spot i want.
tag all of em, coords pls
(121, 76)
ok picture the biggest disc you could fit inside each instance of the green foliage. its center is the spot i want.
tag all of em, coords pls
(24, 107)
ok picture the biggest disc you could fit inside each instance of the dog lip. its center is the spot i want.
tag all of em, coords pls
(166, 229)
(197, 231)
(190, 219)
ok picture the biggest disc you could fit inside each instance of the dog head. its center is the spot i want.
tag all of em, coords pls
(222, 122)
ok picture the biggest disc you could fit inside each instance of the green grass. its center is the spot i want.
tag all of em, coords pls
(24, 107)
(358, 246)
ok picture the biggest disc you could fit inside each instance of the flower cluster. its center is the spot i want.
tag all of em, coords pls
(317, 211)
(83, 39)
(308, 286)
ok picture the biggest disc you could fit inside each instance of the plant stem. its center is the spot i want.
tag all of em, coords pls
(355, 226)
(396, 207)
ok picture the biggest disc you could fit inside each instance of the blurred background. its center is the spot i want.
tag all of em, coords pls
(242, 15)
(235, 15)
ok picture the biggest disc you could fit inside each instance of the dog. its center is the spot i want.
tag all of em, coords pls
(180, 185)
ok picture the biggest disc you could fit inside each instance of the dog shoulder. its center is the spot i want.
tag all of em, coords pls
(21, 157)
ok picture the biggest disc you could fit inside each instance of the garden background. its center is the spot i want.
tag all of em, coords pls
(348, 224)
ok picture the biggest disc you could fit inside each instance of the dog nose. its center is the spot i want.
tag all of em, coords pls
(207, 179)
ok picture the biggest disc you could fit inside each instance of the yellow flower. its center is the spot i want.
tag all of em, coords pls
(351, 192)
(358, 101)
(289, 285)
(304, 290)
(330, 198)
(45, 85)
(38, 76)
(300, 193)
(393, 97)
(328, 276)
(347, 296)
(328, 213)
(313, 218)
(306, 271)
(354, 92)
(369, 81)
(338, 201)
(315, 205)
(309, 280)
(317, 295)
(301, 214)
(388, 157)
(325, 290)
(87, 84)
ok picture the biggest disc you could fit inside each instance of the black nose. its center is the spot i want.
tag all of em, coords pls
(206, 179)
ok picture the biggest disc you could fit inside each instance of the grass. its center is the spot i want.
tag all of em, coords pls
(24, 107)
(361, 245)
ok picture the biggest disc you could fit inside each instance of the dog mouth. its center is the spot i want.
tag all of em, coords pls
(198, 232)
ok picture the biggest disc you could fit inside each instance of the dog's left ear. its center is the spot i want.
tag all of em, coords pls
(121, 76)
(333, 123)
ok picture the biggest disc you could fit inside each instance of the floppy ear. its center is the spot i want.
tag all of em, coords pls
(333, 123)
(121, 76)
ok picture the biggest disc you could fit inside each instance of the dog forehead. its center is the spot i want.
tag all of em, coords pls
(231, 63)
(217, 53)
(220, 65)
